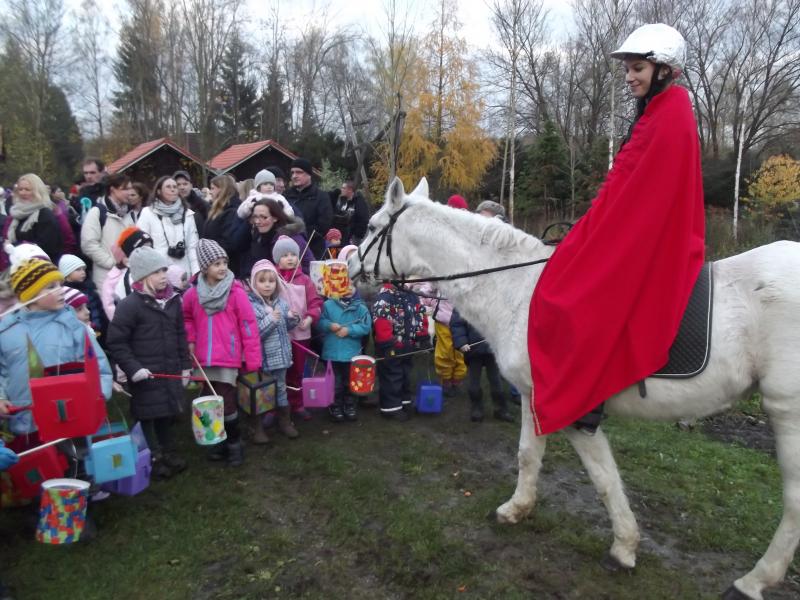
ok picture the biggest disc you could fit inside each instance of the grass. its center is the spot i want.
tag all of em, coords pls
(388, 510)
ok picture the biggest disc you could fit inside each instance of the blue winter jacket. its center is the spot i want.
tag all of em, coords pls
(58, 337)
(355, 316)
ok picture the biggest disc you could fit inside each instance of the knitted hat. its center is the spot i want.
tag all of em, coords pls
(207, 252)
(283, 246)
(303, 164)
(176, 276)
(345, 252)
(145, 261)
(22, 252)
(69, 263)
(73, 297)
(277, 171)
(32, 276)
(131, 238)
(333, 234)
(265, 265)
(262, 177)
(456, 201)
(493, 207)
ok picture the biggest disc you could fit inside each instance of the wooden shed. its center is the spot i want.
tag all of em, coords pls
(243, 161)
(150, 160)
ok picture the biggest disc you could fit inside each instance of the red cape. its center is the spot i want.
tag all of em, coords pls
(609, 302)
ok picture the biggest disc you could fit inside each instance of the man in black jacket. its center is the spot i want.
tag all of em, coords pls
(314, 204)
(350, 213)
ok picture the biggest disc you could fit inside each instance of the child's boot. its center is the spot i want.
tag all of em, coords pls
(175, 463)
(447, 388)
(285, 424)
(501, 408)
(336, 411)
(235, 454)
(218, 452)
(350, 413)
(160, 470)
(476, 412)
(259, 434)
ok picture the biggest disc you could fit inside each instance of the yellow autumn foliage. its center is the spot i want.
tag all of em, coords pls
(442, 138)
(775, 185)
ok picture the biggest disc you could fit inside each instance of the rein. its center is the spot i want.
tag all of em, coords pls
(384, 238)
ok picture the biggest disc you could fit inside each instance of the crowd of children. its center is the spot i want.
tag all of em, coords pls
(155, 330)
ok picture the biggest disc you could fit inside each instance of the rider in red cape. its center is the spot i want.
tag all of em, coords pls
(609, 302)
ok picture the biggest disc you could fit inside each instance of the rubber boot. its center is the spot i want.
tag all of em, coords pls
(285, 425)
(501, 408)
(218, 452)
(447, 388)
(235, 454)
(476, 412)
(259, 434)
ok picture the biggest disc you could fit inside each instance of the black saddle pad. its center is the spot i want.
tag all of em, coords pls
(689, 354)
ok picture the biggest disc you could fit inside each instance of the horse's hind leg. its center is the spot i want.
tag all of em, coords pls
(771, 568)
(595, 453)
(531, 451)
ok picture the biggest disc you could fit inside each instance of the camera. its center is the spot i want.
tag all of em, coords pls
(177, 251)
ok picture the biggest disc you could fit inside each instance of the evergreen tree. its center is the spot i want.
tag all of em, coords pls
(544, 174)
(138, 100)
(238, 96)
(276, 113)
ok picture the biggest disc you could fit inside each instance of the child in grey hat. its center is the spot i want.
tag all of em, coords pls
(147, 336)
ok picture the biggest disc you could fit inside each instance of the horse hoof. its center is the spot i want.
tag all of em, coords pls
(612, 565)
(733, 593)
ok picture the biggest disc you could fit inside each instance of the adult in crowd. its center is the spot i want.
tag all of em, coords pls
(191, 198)
(92, 188)
(280, 179)
(269, 220)
(171, 225)
(490, 209)
(138, 198)
(67, 219)
(350, 213)
(222, 224)
(103, 225)
(31, 219)
(313, 204)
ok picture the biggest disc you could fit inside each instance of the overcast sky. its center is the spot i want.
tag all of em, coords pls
(365, 15)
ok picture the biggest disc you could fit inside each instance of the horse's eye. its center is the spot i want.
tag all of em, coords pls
(371, 228)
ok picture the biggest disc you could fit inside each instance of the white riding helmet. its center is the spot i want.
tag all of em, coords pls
(658, 43)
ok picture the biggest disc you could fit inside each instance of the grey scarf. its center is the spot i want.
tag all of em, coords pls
(23, 211)
(172, 211)
(214, 299)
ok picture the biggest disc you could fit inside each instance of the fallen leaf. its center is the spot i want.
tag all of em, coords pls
(468, 493)
(462, 588)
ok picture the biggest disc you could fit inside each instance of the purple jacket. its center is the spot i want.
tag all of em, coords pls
(229, 337)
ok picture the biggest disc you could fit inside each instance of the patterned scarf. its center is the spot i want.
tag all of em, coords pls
(173, 212)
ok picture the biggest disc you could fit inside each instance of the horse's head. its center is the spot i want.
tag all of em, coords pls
(378, 256)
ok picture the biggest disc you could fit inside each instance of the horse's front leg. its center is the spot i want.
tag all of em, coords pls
(531, 451)
(595, 453)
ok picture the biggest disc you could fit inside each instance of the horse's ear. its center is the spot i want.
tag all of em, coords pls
(395, 194)
(421, 189)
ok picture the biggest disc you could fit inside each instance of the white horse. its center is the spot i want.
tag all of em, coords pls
(755, 341)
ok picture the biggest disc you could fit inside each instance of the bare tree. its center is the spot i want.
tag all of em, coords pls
(92, 64)
(34, 27)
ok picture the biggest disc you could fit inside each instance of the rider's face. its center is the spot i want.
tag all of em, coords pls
(638, 75)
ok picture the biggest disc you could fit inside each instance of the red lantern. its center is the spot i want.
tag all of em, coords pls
(362, 375)
(68, 406)
(35, 467)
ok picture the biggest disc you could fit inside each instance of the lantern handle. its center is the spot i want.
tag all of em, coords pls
(203, 373)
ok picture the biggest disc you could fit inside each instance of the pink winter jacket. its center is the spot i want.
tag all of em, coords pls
(107, 291)
(440, 310)
(228, 338)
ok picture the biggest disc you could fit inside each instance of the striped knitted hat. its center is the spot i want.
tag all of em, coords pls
(74, 298)
(32, 276)
(207, 252)
(131, 238)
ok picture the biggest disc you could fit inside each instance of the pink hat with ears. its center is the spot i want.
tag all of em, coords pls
(267, 265)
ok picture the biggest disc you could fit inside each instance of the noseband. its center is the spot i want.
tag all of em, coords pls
(383, 238)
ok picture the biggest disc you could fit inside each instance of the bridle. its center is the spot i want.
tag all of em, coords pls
(384, 240)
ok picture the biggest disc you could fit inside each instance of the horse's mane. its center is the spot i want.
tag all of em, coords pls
(490, 231)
